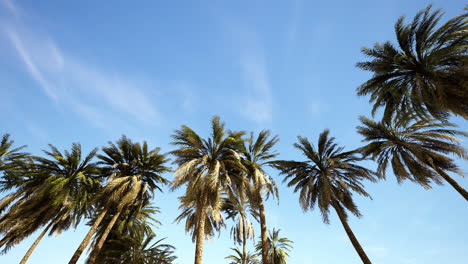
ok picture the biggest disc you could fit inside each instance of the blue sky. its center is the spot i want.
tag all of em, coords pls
(89, 71)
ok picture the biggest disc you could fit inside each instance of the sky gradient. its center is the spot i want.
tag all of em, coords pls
(90, 71)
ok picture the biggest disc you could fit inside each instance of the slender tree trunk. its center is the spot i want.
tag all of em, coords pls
(34, 245)
(452, 182)
(244, 244)
(201, 231)
(263, 230)
(102, 239)
(87, 238)
(351, 236)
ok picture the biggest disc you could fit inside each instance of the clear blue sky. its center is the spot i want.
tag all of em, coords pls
(89, 71)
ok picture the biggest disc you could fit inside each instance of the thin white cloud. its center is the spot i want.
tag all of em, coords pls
(189, 99)
(30, 64)
(259, 104)
(12, 8)
(89, 90)
(379, 252)
(294, 26)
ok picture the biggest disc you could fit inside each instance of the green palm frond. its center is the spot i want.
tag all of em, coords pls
(425, 75)
(279, 247)
(328, 175)
(413, 150)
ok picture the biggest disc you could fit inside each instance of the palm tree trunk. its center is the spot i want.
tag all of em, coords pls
(201, 231)
(244, 244)
(102, 239)
(452, 182)
(263, 229)
(351, 236)
(34, 245)
(87, 238)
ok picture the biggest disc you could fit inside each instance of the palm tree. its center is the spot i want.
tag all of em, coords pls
(237, 208)
(426, 75)
(133, 172)
(208, 167)
(10, 159)
(55, 195)
(417, 151)
(327, 178)
(278, 247)
(130, 239)
(242, 257)
(256, 153)
(214, 219)
(138, 250)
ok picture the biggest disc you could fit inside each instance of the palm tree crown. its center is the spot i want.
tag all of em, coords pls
(55, 192)
(425, 74)
(279, 247)
(10, 159)
(240, 257)
(416, 151)
(327, 177)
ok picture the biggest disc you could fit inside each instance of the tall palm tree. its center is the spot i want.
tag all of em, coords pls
(133, 172)
(256, 153)
(278, 248)
(426, 74)
(207, 167)
(238, 208)
(416, 151)
(242, 257)
(55, 196)
(327, 178)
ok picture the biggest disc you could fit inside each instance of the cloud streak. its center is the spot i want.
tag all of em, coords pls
(259, 105)
(91, 91)
(258, 100)
(31, 66)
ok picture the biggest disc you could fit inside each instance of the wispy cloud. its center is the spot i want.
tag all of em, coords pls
(293, 26)
(257, 104)
(378, 252)
(93, 92)
(28, 61)
(185, 93)
(12, 8)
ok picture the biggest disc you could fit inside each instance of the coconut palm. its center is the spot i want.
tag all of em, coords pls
(426, 74)
(133, 172)
(278, 248)
(327, 178)
(55, 194)
(416, 151)
(242, 257)
(238, 208)
(207, 167)
(256, 153)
